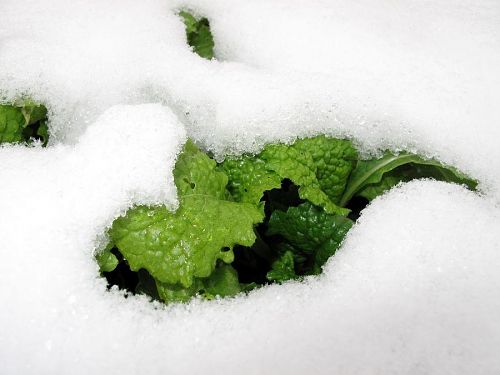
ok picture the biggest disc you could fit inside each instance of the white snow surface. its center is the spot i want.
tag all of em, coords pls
(415, 287)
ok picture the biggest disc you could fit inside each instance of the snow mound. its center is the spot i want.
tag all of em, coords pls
(55, 203)
(414, 288)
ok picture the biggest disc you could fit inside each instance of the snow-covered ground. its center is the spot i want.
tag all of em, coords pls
(414, 289)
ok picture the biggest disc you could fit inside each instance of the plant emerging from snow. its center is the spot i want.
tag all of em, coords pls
(244, 222)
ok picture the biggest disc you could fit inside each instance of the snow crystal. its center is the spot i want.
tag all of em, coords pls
(414, 288)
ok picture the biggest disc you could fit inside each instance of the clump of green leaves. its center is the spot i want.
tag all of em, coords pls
(253, 220)
(319, 166)
(183, 250)
(23, 121)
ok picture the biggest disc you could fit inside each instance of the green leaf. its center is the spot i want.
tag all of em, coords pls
(283, 268)
(12, 123)
(176, 292)
(334, 160)
(222, 283)
(311, 230)
(301, 259)
(195, 174)
(371, 178)
(198, 34)
(179, 247)
(302, 163)
(189, 21)
(299, 167)
(106, 260)
(249, 178)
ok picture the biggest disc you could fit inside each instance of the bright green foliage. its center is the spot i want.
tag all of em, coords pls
(195, 174)
(296, 193)
(388, 181)
(334, 160)
(299, 167)
(177, 247)
(371, 178)
(12, 123)
(283, 268)
(23, 121)
(249, 177)
(223, 282)
(199, 36)
(301, 163)
(311, 231)
(176, 292)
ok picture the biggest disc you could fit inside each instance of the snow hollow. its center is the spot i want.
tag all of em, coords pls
(414, 289)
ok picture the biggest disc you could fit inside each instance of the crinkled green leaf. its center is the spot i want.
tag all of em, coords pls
(178, 247)
(199, 35)
(250, 176)
(311, 230)
(283, 268)
(195, 174)
(299, 167)
(12, 123)
(367, 179)
(334, 160)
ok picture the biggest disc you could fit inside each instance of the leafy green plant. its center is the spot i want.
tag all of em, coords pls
(252, 220)
(245, 222)
(255, 219)
(180, 250)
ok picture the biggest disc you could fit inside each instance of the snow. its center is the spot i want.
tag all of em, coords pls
(414, 288)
